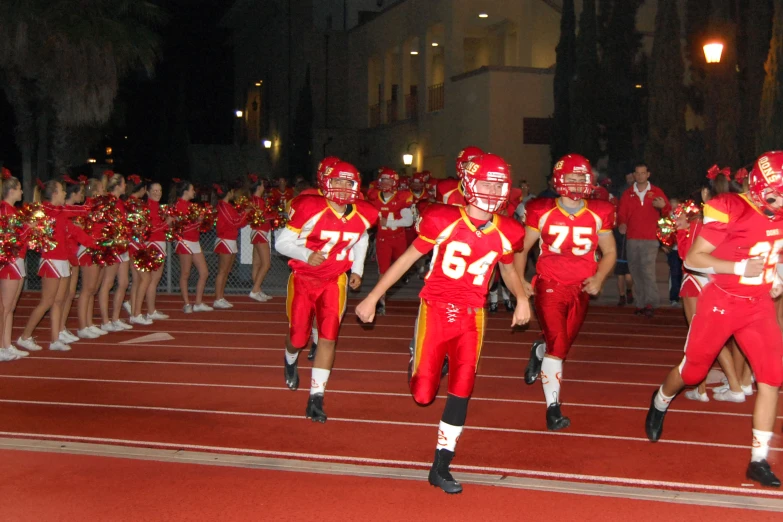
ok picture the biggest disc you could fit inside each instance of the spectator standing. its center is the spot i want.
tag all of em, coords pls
(675, 267)
(550, 189)
(641, 206)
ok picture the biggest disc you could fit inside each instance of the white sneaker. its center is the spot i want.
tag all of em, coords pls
(694, 395)
(121, 325)
(16, 351)
(67, 337)
(97, 331)
(86, 333)
(729, 396)
(155, 316)
(201, 307)
(222, 304)
(126, 307)
(722, 388)
(109, 327)
(747, 390)
(259, 296)
(28, 344)
(265, 297)
(7, 355)
(187, 309)
(59, 346)
(140, 319)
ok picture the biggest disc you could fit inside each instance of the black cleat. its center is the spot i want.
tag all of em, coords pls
(313, 348)
(444, 370)
(291, 375)
(555, 420)
(654, 424)
(440, 476)
(510, 306)
(493, 308)
(315, 408)
(533, 365)
(761, 473)
(629, 297)
(622, 301)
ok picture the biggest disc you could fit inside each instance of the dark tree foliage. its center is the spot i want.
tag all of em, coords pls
(770, 133)
(302, 138)
(564, 72)
(585, 102)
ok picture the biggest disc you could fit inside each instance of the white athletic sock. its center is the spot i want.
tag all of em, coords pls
(448, 436)
(551, 373)
(315, 335)
(505, 293)
(760, 448)
(291, 358)
(318, 380)
(493, 296)
(541, 350)
(662, 401)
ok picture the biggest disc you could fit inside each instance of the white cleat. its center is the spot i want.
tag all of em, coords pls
(87, 333)
(156, 316)
(222, 304)
(59, 346)
(201, 307)
(140, 319)
(28, 344)
(694, 395)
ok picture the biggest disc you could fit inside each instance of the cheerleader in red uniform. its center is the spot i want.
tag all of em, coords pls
(54, 270)
(259, 238)
(189, 249)
(140, 280)
(229, 221)
(157, 239)
(91, 273)
(11, 275)
(115, 269)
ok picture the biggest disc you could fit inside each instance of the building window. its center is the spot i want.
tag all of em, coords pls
(537, 131)
(435, 98)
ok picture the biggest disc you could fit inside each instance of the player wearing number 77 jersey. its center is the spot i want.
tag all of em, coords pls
(466, 244)
(325, 237)
(570, 229)
(739, 245)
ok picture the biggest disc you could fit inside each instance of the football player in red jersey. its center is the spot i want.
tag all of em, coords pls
(570, 229)
(395, 215)
(739, 246)
(466, 244)
(452, 189)
(325, 237)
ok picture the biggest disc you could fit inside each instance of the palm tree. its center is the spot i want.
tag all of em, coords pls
(62, 61)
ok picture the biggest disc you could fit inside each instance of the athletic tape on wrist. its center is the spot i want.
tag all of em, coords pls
(739, 267)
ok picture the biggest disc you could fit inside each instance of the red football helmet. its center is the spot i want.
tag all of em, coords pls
(341, 171)
(419, 180)
(388, 179)
(573, 164)
(432, 187)
(765, 183)
(325, 164)
(491, 168)
(465, 155)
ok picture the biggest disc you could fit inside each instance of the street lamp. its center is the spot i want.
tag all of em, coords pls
(239, 114)
(267, 144)
(407, 159)
(713, 51)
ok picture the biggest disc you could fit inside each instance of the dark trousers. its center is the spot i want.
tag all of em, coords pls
(675, 275)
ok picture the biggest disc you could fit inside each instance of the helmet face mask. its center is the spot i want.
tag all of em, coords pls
(388, 179)
(765, 184)
(341, 183)
(486, 183)
(571, 188)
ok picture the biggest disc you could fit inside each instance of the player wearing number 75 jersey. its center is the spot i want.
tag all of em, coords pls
(466, 244)
(739, 245)
(326, 236)
(569, 228)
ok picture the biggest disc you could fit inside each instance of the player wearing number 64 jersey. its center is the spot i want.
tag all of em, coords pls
(569, 228)
(466, 244)
(326, 236)
(739, 245)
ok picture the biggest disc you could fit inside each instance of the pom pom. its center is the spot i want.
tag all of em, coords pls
(148, 259)
(255, 215)
(208, 215)
(667, 231)
(41, 227)
(11, 230)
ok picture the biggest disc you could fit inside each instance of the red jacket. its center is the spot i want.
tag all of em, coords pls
(158, 223)
(641, 219)
(229, 221)
(61, 217)
(191, 232)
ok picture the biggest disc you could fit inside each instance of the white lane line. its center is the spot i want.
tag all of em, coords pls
(299, 418)
(331, 466)
(352, 392)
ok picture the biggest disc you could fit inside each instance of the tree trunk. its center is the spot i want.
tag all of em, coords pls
(42, 160)
(756, 33)
(770, 133)
(27, 170)
(564, 71)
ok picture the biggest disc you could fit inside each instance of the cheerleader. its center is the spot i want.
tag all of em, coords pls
(140, 280)
(189, 249)
(54, 270)
(229, 221)
(91, 273)
(74, 196)
(157, 239)
(116, 269)
(259, 238)
(11, 275)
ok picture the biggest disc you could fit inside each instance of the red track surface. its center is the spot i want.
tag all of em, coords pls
(224, 391)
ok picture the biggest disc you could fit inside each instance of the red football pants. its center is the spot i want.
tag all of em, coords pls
(308, 297)
(754, 326)
(389, 246)
(560, 310)
(446, 329)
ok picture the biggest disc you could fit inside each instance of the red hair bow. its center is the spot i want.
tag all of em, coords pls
(176, 180)
(69, 180)
(253, 178)
(135, 179)
(5, 173)
(218, 189)
(741, 174)
(41, 184)
(714, 172)
(82, 179)
(108, 173)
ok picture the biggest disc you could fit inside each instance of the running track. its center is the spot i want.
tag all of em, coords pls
(217, 389)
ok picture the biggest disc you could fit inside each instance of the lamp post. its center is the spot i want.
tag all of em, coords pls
(713, 51)
(407, 158)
